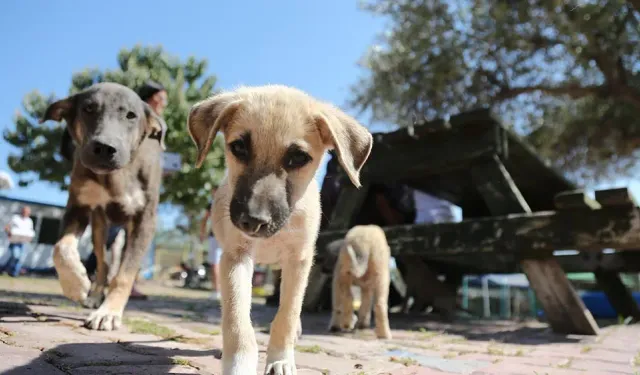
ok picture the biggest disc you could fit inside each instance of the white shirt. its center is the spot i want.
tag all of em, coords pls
(21, 229)
(430, 209)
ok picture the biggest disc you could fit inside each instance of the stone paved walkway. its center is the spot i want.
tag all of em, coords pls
(178, 332)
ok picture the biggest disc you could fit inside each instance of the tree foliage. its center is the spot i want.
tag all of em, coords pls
(186, 82)
(564, 74)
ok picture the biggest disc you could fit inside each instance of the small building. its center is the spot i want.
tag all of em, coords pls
(47, 222)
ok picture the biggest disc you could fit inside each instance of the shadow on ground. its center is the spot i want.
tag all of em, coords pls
(113, 358)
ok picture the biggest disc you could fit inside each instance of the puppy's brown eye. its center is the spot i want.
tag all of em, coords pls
(240, 150)
(296, 159)
(89, 108)
(131, 115)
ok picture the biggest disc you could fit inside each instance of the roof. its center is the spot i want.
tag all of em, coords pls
(25, 201)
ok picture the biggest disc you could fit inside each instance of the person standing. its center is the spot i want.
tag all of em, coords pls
(215, 252)
(20, 230)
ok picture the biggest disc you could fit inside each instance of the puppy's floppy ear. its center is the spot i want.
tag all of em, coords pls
(60, 110)
(207, 117)
(155, 125)
(64, 109)
(351, 141)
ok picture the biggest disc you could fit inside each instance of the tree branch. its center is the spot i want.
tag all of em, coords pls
(574, 91)
(623, 92)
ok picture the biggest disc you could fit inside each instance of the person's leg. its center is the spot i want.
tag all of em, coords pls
(213, 258)
(16, 254)
(8, 265)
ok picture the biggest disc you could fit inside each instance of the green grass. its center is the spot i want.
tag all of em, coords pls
(208, 331)
(181, 362)
(404, 360)
(149, 328)
(309, 349)
(566, 363)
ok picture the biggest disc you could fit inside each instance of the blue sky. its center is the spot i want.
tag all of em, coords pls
(312, 45)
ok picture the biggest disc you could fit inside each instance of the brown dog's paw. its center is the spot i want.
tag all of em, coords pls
(104, 320)
(95, 298)
(71, 272)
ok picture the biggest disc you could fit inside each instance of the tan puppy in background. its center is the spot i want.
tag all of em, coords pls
(267, 209)
(363, 261)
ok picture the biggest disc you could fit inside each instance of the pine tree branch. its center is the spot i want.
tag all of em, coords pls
(626, 93)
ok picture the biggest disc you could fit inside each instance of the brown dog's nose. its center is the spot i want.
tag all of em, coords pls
(252, 224)
(103, 150)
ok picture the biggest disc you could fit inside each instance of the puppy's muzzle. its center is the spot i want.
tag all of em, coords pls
(251, 224)
(103, 155)
(103, 151)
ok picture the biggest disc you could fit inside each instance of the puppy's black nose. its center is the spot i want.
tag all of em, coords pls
(103, 150)
(252, 224)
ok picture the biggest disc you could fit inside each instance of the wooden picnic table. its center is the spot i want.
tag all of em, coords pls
(517, 211)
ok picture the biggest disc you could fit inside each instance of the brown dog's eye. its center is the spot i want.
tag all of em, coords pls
(239, 150)
(296, 159)
(89, 108)
(131, 115)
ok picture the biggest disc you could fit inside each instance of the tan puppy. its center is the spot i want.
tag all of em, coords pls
(267, 209)
(363, 260)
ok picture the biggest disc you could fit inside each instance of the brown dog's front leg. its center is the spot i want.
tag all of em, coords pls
(239, 347)
(98, 235)
(71, 272)
(140, 232)
(280, 352)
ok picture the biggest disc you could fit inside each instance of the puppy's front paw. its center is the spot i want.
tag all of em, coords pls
(280, 364)
(104, 319)
(383, 333)
(71, 273)
(240, 364)
(95, 298)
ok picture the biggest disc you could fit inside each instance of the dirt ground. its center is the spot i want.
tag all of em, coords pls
(177, 331)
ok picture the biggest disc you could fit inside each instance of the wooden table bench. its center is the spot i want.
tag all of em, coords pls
(516, 212)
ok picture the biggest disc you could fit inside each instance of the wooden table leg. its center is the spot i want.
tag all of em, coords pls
(562, 306)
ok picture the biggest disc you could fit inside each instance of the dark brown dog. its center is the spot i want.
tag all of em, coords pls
(115, 179)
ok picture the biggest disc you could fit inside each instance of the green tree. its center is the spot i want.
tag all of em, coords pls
(186, 82)
(564, 74)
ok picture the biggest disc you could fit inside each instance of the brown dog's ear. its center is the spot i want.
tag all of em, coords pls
(207, 117)
(156, 124)
(351, 141)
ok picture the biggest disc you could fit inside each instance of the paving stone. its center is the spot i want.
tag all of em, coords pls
(135, 370)
(24, 361)
(35, 337)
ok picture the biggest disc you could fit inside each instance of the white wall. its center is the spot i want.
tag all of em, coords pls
(36, 255)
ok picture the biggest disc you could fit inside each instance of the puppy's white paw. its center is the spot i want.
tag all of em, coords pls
(282, 363)
(71, 272)
(240, 364)
(104, 319)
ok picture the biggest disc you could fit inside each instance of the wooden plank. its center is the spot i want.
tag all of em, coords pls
(348, 204)
(609, 280)
(575, 199)
(562, 305)
(616, 197)
(607, 228)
